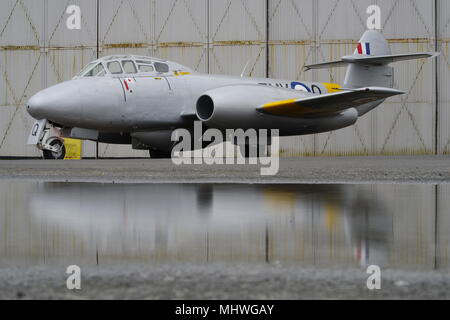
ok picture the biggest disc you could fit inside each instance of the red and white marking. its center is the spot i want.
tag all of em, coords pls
(128, 83)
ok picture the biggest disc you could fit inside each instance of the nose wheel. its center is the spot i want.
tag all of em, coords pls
(58, 151)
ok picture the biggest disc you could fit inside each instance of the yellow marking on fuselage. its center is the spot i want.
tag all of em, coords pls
(276, 104)
(290, 108)
(180, 73)
(332, 87)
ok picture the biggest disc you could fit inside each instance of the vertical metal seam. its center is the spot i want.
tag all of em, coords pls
(98, 29)
(316, 47)
(208, 35)
(19, 101)
(112, 20)
(405, 101)
(436, 225)
(97, 55)
(436, 77)
(154, 27)
(267, 38)
(404, 107)
(44, 44)
(194, 21)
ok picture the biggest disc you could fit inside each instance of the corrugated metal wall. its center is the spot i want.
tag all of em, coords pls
(278, 37)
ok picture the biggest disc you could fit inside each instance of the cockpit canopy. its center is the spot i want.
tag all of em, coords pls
(130, 65)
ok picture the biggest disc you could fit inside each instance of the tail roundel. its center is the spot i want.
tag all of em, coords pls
(363, 48)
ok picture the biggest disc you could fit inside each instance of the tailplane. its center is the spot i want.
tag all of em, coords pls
(369, 64)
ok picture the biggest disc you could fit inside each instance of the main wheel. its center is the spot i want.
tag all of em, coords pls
(58, 155)
(158, 154)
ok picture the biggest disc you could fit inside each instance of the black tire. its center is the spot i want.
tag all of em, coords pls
(158, 154)
(55, 155)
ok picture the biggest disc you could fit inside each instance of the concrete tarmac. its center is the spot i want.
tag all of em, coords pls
(408, 169)
(220, 281)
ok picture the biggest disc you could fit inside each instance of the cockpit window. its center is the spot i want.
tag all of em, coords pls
(128, 66)
(101, 73)
(85, 69)
(125, 64)
(114, 67)
(146, 68)
(161, 67)
(96, 70)
(143, 62)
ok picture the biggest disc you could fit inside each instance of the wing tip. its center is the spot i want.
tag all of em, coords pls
(434, 54)
(389, 92)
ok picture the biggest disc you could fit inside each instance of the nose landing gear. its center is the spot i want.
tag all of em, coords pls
(55, 150)
(47, 138)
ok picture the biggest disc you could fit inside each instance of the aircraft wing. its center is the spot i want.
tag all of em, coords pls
(326, 104)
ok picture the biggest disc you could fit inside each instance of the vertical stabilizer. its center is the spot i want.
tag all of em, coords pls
(359, 75)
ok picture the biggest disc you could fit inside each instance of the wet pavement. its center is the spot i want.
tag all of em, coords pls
(214, 232)
(397, 226)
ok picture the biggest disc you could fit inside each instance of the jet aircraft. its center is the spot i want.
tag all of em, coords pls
(137, 100)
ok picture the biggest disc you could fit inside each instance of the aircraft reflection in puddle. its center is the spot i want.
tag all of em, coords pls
(308, 224)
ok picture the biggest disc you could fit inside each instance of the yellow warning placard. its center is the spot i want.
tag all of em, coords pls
(74, 149)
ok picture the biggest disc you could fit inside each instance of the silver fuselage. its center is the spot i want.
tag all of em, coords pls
(158, 102)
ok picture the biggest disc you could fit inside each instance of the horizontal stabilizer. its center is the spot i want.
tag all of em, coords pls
(372, 60)
(327, 104)
(327, 65)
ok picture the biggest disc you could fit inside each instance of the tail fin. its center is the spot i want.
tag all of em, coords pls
(369, 64)
(372, 43)
(358, 75)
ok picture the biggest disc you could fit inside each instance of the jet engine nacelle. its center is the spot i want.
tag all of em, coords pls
(235, 107)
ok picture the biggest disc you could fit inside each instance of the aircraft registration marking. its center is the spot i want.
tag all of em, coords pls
(310, 88)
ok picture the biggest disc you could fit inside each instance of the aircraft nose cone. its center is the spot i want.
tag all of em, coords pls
(36, 106)
(55, 103)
